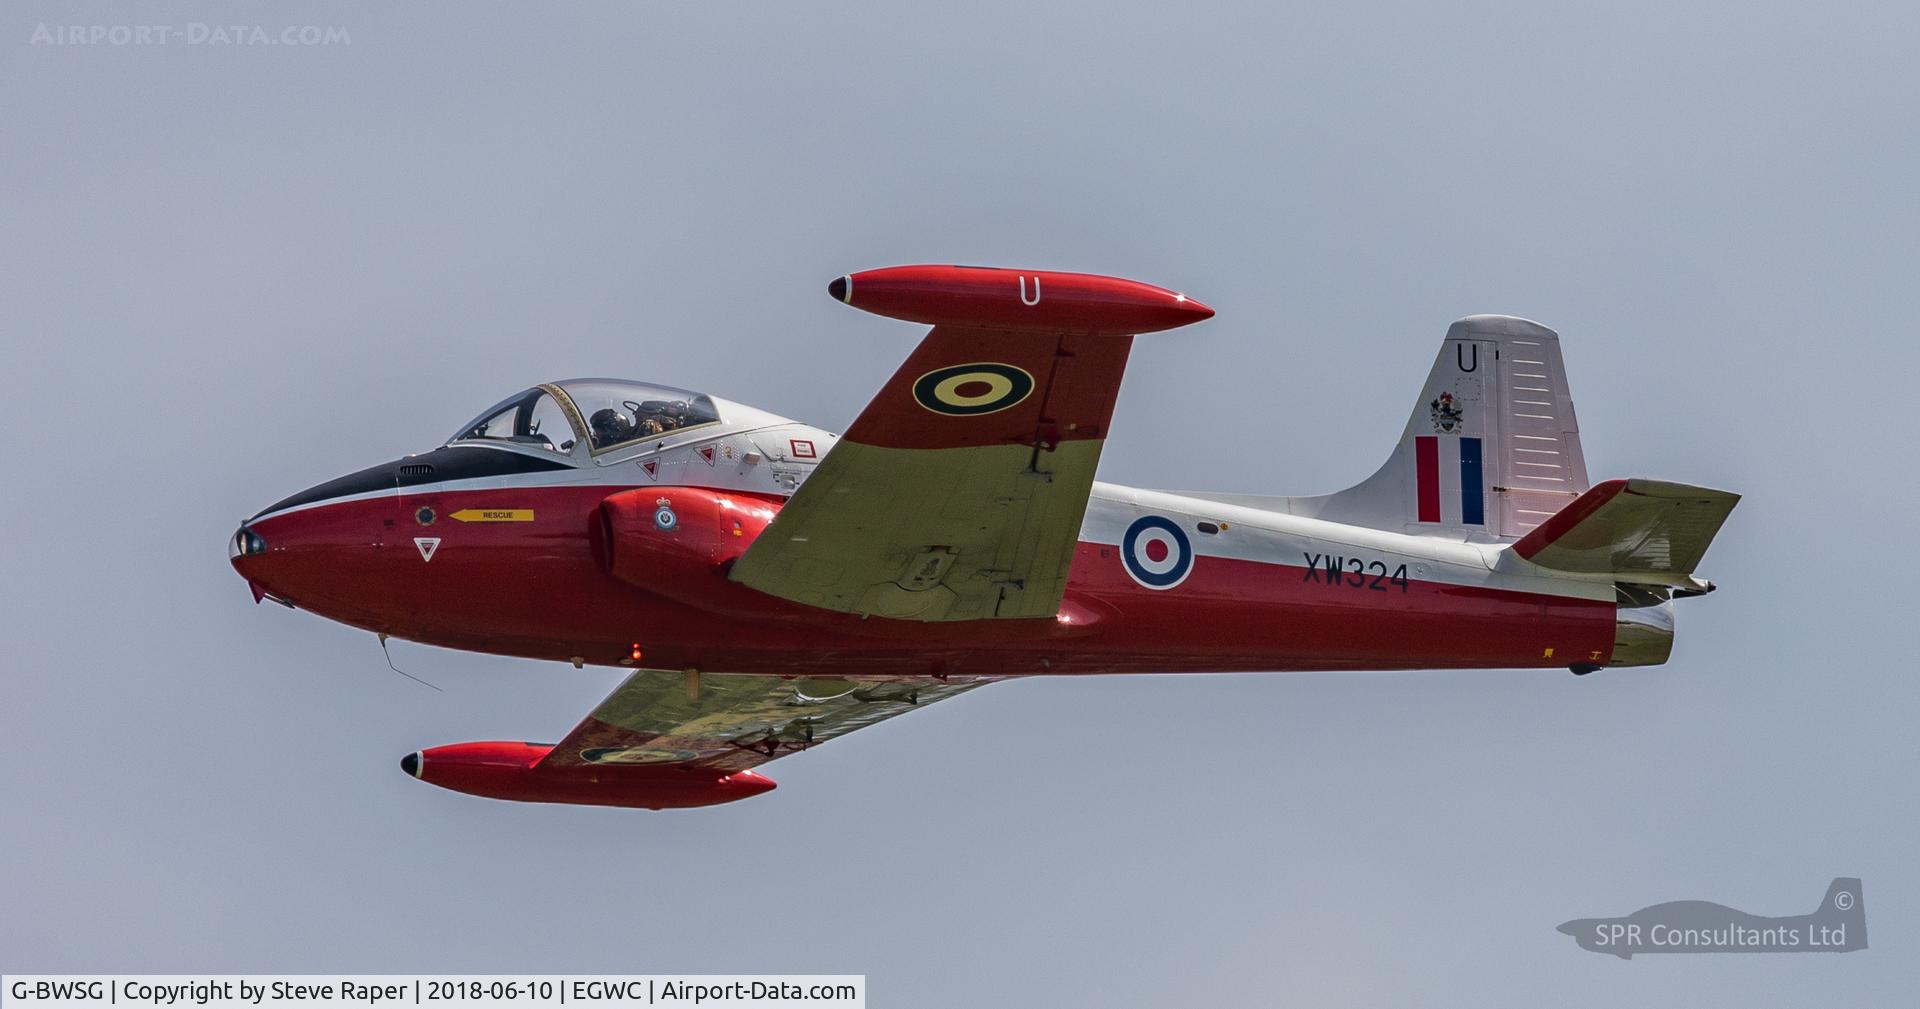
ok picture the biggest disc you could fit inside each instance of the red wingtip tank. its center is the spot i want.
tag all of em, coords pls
(506, 770)
(992, 298)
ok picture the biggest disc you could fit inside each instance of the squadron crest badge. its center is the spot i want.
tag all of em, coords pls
(1447, 414)
(663, 517)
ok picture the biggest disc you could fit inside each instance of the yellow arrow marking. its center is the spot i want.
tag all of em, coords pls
(493, 515)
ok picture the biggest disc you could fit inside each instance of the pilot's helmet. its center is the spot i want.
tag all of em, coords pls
(662, 415)
(610, 427)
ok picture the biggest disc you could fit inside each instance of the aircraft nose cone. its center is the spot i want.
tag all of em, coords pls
(244, 550)
(840, 288)
(411, 764)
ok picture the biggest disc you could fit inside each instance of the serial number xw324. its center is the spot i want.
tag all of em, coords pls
(1335, 571)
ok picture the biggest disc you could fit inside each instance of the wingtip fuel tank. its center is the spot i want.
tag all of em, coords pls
(510, 770)
(995, 298)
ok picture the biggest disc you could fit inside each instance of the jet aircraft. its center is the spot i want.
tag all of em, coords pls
(773, 585)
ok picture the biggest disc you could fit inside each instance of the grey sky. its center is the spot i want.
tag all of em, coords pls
(231, 272)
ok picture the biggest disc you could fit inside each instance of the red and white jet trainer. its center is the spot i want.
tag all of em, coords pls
(774, 585)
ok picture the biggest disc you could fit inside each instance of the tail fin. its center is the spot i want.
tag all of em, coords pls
(1843, 911)
(1843, 894)
(1643, 531)
(1491, 450)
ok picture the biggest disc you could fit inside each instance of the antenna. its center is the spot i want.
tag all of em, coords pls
(397, 669)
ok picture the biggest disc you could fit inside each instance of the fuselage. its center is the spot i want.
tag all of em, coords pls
(504, 548)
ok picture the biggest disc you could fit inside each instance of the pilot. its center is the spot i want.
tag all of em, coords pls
(610, 427)
(658, 418)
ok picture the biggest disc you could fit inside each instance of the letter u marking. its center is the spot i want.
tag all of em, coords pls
(1024, 300)
(1460, 356)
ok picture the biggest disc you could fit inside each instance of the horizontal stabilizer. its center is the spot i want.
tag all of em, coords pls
(1631, 527)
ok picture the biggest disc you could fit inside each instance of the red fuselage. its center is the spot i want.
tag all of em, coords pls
(540, 571)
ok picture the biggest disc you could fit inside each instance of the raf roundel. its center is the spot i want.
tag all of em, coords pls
(969, 390)
(1156, 552)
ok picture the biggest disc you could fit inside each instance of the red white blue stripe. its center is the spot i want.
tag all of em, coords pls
(1450, 481)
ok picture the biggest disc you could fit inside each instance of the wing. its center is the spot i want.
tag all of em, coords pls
(958, 492)
(670, 740)
(729, 722)
(928, 515)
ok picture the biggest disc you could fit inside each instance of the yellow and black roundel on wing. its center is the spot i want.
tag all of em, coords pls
(967, 390)
(635, 755)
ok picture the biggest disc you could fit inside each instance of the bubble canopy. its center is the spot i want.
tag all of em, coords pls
(586, 416)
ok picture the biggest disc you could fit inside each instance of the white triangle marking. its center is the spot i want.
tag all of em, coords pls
(427, 546)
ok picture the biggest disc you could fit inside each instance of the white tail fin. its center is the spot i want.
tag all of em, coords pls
(1492, 449)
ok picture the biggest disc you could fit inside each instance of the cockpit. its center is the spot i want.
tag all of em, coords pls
(593, 415)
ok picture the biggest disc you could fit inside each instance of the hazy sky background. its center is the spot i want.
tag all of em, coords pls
(229, 273)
